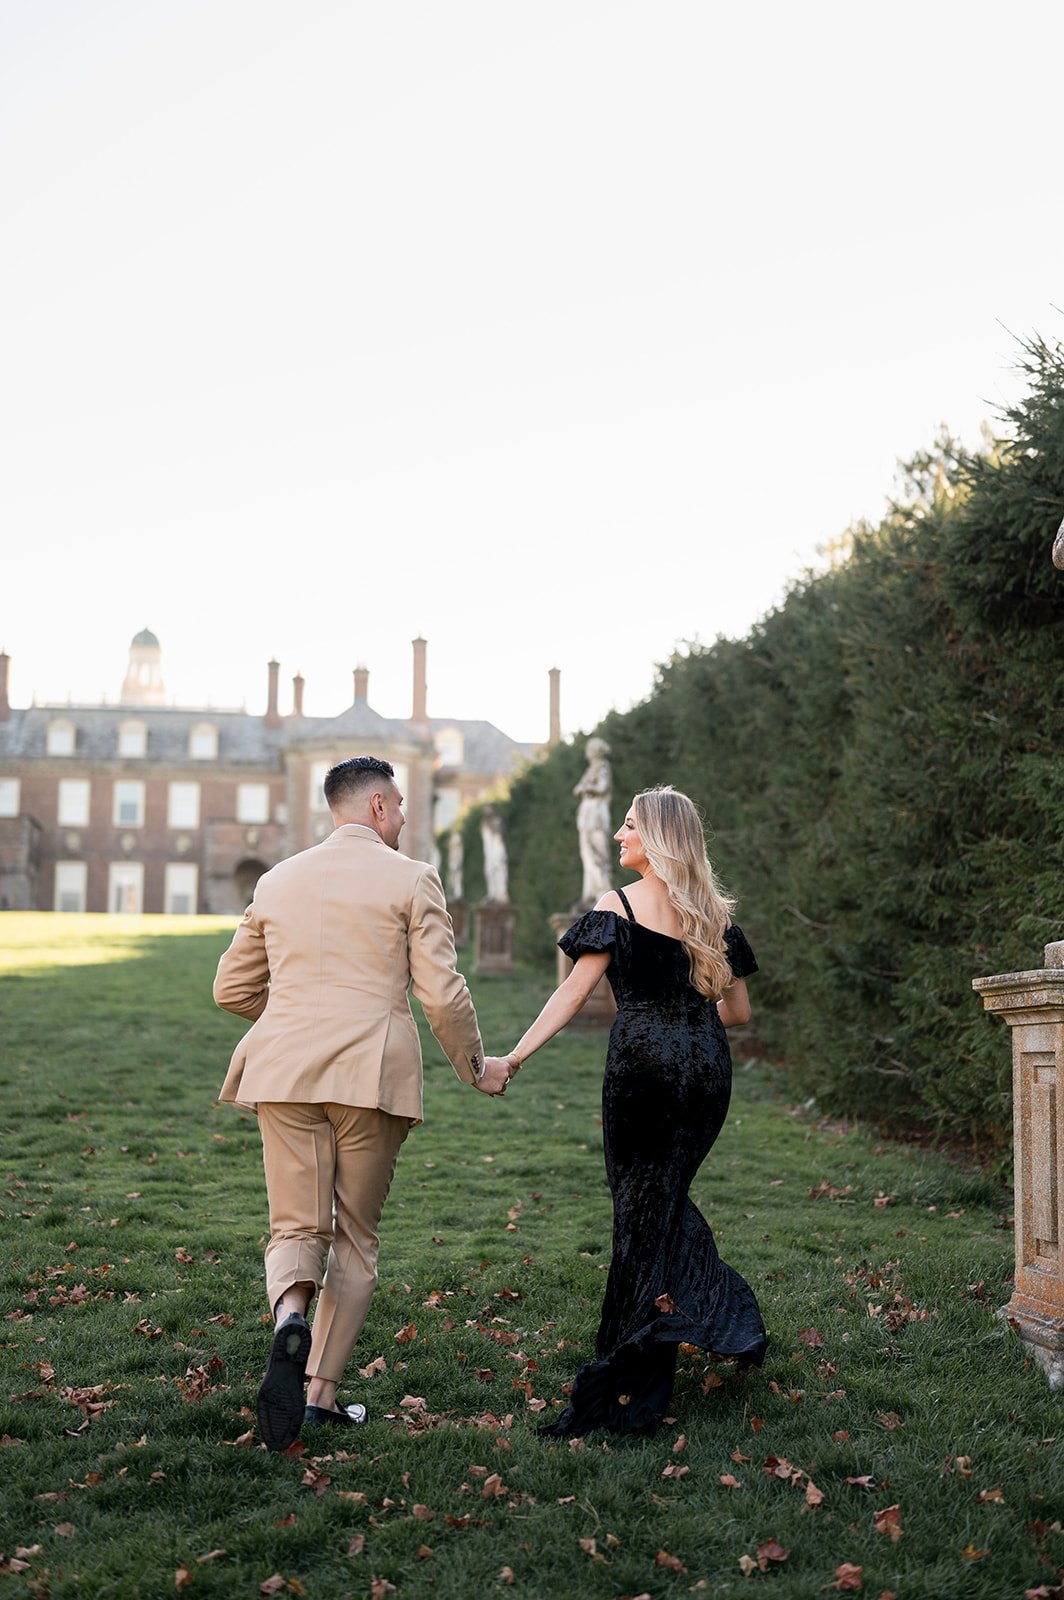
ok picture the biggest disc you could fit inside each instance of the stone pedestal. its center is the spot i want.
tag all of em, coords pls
(493, 937)
(1032, 1003)
(600, 1008)
(459, 914)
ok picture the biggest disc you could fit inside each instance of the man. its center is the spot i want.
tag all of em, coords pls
(321, 964)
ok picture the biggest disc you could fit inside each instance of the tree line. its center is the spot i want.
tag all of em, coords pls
(880, 770)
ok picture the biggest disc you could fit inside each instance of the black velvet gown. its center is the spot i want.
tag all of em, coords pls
(665, 1096)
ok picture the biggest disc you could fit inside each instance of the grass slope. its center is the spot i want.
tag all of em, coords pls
(896, 1428)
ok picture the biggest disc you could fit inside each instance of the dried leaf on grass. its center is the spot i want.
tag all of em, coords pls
(889, 1521)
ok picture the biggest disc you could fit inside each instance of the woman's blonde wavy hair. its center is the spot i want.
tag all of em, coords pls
(671, 829)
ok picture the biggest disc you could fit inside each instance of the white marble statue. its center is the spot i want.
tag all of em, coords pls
(593, 822)
(454, 864)
(494, 842)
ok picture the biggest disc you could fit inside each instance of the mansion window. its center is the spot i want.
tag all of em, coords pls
(445, 810)
(450, 747)
(62, 737)
(179, 894)
(132, 739)
(317, 780)
(9, 797)
(253, 802)
(129, 804)
(183, 805)
(203, 742)
(125, 888)
(70, 880)
(72, 810)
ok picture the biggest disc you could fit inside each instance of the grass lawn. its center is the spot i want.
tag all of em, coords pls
(896, 1428)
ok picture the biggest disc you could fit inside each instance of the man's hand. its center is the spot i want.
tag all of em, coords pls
(496, 1076)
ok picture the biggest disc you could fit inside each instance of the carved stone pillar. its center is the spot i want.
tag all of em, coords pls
(493, 937)
(459, 915)
(600, 1008)
(1032, 1003)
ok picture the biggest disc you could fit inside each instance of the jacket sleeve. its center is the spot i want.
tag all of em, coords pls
(436, 982)
(242, 982)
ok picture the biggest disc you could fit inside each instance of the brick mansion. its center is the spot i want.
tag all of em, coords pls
(144, 806)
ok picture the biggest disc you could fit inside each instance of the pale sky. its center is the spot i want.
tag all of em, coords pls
(562, 333)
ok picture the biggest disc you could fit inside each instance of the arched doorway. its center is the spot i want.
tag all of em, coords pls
(246, 875)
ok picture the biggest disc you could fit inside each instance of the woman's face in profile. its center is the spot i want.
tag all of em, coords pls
(633, 855)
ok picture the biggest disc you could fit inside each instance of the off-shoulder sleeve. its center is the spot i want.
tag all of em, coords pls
(741, 958)
(591, 934)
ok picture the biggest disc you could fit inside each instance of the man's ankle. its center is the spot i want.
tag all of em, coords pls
(293, 1301)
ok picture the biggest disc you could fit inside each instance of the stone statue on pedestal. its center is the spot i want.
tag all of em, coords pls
(493, 840)
(593, 824)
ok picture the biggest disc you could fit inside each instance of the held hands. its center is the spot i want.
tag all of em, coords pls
(496, 1076)
(498, 1070)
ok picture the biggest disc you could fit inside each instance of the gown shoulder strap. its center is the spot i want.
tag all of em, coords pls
(624, 902)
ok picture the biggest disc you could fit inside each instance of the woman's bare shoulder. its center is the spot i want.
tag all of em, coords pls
(610, 901)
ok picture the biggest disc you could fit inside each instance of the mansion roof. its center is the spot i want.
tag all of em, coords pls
(245, 739)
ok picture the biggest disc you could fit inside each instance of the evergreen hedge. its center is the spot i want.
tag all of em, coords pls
(879, 768)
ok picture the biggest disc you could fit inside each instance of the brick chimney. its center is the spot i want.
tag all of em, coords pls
(554, 737)
(361, 685)
(272, 719)
(5, 704)
(297, 695)
(419, 714)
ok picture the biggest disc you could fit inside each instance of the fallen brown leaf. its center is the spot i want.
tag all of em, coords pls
(847, 1577)
(889, 1521)
(672, 1563)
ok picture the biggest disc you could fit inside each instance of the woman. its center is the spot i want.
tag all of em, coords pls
(677, 966)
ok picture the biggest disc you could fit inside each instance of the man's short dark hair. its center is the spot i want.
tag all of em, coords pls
(349, 780)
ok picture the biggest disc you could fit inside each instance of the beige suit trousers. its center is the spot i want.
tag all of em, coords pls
(328, 1171)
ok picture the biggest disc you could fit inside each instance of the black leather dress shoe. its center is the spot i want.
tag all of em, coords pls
(327, 1417)
(279, 1407)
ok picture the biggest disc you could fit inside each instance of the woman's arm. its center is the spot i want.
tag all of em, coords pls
(563, 1004)
(733, 1007)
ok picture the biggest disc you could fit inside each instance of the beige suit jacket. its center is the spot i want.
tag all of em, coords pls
(322, 963)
